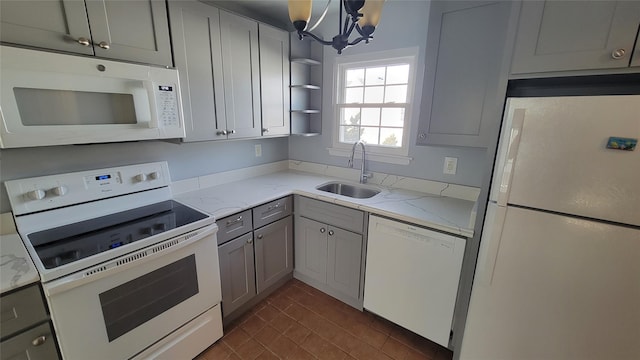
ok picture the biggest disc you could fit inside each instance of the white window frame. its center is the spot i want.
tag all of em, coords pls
(372, 59)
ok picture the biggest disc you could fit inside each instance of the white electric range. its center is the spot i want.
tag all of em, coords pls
(127, 271)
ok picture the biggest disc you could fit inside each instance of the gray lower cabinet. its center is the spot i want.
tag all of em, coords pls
(466, 76)
(274, 252)
(25, 328)
(237, 269)
(576, 35)
(256, 254)
(330, 248)
(132, 31)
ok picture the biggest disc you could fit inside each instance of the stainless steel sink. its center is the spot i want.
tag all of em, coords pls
(354, 191)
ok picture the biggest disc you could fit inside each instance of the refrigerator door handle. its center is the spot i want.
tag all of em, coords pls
(491, 236)
(515, 135)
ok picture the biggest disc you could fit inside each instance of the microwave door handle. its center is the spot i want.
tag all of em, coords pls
(153, 119)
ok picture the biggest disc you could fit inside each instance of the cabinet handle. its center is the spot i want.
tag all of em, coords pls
(39, 340)
(422, 136)
(618, 54)
(222, 132)
(83, 41)
(322, 230)
(231, 131)
(269, 208)
(250, 241)
(330, 232)
(265, 130)
(260, 236)
(104, 45)
(231, 222)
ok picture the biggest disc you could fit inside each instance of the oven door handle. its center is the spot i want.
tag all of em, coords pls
(128, 261)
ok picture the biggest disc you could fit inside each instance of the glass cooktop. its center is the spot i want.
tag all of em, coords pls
(69, 243)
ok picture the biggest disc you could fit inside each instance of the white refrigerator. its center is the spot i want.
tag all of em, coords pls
(558, 272)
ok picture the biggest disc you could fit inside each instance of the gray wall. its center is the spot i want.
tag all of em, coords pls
(186, 160)
(403, 24)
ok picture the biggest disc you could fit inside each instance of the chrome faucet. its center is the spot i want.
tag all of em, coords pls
(363, 175)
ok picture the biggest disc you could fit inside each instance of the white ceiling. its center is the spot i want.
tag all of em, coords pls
(275, 12)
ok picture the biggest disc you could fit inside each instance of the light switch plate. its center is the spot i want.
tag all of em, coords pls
(450, 165)
(258, 148)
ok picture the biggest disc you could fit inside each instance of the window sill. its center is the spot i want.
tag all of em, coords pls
(385, 158)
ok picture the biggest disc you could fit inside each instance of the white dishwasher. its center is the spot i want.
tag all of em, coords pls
(412, 276)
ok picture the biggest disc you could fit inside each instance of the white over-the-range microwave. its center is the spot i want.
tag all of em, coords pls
(56, 99)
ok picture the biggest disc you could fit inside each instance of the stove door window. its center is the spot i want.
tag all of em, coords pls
(137, 301)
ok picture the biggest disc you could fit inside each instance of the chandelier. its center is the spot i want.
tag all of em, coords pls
(361, 15)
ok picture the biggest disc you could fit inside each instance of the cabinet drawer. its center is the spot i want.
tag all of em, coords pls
(22, 346)
(233, 226)
(272, 211)
(336, 215)
(21, 309)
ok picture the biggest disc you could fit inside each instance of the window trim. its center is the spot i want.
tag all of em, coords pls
(382, 58)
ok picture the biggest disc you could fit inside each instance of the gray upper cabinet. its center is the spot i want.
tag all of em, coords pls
(195, 30)
(274, 78)
(466, 72)
(576, 35)
(217, 57)
(58, 25)
(241, 73)
(132, 31)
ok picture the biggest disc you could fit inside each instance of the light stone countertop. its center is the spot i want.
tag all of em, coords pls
(16, 267)
(452, 215)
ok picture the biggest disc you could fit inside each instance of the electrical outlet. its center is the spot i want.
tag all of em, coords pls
(258, 148)
(450, 165)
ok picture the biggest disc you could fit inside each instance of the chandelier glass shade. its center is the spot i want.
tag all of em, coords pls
(360, 15)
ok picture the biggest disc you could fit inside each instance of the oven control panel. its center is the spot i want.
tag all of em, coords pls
(53, 191)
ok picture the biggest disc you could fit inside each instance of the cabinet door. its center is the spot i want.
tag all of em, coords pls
(55, 24)
(130, 30)
(344, 260)
(237, 272)
(22, 345)
(274, 252)
(240, 61)
(195, 31)
(311, 249)
(463, 89)
(274, 80)
(574, 35)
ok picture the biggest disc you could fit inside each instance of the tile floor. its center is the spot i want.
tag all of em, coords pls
(299, 322)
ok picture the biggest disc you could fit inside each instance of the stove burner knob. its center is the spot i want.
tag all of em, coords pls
(37, 194)
(140, 178)
(154, 175)
(60, 190)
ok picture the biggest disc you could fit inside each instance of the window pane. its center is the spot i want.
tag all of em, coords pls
(396, 94)
(391, 137)
(350, 116)
(398, 74)
(375, 76)
(392, 117)
(373, 94)
(370, 135)
(349, 134)
(371, 117)
(355, 77)
(353, 95)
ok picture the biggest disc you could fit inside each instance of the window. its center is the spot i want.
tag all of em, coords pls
(373, 104)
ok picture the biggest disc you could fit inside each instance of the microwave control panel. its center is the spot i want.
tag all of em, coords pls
(167, 103)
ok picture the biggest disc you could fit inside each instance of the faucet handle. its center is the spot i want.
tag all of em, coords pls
(365, 177)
